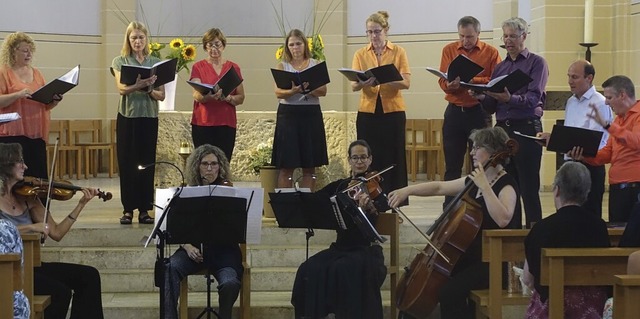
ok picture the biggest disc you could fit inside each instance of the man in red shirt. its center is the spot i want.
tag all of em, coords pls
(464, 113)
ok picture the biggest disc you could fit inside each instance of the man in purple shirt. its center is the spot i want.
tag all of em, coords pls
(521, 111)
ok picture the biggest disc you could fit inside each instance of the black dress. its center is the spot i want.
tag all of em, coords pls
(344, 279)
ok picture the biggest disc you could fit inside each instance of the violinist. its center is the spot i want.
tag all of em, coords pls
(344, 279)
(59, 280)
(207, 165)
(497, 194)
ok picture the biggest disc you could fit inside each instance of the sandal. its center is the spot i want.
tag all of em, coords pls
(127, 218)
(144, 218)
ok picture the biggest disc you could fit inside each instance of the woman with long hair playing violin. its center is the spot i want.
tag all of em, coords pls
(497, 194)
(59, 280)
(344, 279)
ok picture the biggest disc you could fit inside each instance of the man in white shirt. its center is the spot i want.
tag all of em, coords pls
(580, 79)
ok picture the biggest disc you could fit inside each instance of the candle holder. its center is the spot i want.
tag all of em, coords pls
(184, 152)
(587, 55)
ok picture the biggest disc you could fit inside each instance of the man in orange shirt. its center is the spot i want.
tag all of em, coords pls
(464, 113)
(623, 147)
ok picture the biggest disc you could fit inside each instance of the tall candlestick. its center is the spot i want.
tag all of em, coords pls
(588, 21)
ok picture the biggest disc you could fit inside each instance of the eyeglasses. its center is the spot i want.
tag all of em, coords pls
(134, 38)
(511, 36)
(217, 45)
(356, 158)
(376, 32)
(208, 164)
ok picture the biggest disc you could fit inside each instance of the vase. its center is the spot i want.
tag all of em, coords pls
(169, 103)
(268, 181)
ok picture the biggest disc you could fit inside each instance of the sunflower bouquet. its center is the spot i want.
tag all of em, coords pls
(177, 49)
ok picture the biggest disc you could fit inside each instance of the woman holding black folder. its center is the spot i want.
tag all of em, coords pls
(207, 165)
(381, 114)
(136, 126)
(300, 139)
(345, 279)
(18, 79)
(214, 115)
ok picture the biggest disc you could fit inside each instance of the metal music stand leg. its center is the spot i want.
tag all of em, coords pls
(208, 309)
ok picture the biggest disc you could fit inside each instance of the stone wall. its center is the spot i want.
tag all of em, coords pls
(253, 128)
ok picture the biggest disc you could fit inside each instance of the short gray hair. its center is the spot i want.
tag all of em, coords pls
(573, 180)
(516, 23)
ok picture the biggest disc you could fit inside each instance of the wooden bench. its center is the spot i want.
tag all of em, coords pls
(32, 259)
(11, 274)
(626, 294)
(579, 267)
(245, 290)
(506, 245)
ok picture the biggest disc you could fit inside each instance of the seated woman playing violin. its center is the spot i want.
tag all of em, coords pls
(496, 192)
(59, 280)
(344, 279)
(207, 165)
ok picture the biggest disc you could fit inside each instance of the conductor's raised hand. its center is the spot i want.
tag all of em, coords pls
(596, 116)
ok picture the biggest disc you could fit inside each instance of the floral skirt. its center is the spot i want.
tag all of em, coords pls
(579, 303)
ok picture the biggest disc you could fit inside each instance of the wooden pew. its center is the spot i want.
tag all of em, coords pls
(579, 267)
(626, 294)
(11, 274)
(32, 259)
(505, 245)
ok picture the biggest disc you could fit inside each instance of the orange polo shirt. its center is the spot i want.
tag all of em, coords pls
(392, 100)
(482, 54)
(622, 149)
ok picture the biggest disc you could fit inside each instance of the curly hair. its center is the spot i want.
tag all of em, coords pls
(11, 43)
(192, 174)
(10, 154)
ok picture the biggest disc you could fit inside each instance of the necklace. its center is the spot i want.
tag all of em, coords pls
(495, 179)
(10, 202)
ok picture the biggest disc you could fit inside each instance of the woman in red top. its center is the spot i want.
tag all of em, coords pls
(214, 115)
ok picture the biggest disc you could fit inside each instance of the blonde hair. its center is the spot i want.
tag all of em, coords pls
(11, 43)
(126, 46)
(381, 18)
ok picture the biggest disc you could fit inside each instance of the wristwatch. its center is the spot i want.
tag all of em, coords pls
(606, 127)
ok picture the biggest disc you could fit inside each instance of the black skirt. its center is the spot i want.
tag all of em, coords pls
(300, 139)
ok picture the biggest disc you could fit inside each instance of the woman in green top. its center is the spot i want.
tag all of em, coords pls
(137, 126)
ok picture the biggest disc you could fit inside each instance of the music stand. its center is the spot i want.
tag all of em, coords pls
(304, 210)
(207, 220)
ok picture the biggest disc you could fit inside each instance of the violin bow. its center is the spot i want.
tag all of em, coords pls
(48, 203)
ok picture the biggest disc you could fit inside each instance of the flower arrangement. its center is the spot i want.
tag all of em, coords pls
(316, 45)
(177, 49)
(260, 157)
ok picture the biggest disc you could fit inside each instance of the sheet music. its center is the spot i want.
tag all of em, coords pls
(254, 197)
(293, 190)
(337, 212)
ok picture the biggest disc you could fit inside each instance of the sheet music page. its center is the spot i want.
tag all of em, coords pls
(293, 190)
(254, 197)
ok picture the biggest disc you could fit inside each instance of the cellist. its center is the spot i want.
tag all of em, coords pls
(344, 279)
(498, 196)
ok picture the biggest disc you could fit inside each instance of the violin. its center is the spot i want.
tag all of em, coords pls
(453, 232)
(369, 183)
(60, 190)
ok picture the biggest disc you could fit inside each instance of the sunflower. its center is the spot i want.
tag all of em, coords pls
(176, 43)
(155, 46)
(310, 42)
(320, 42)
(279, 53)
(189, 52)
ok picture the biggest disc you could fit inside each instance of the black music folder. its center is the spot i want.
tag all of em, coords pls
(165, 70)
(316, 76)
(227, 83)
(513, 81)
(383, 74)
(59, 86)
(461, 66)
(564, 138)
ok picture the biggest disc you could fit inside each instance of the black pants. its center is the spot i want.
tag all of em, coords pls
(137, 140)
(34, 152)
(525, 167)
(458, 124)
(594, 199)
(621, 202)
(63, 281)
(454, 294)
(223, 137)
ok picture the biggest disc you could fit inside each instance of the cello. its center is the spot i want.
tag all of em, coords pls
(452, 233)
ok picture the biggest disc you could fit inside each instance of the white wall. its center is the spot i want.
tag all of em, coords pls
(51, 16)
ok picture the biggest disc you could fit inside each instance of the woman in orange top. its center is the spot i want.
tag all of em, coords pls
(381, 115)
(18, 79)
